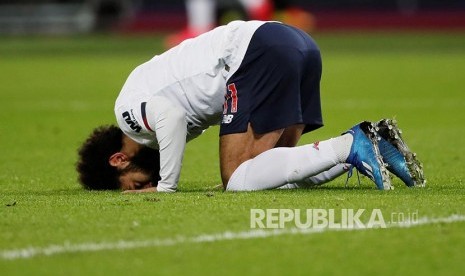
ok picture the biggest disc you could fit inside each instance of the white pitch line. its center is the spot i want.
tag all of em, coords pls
(55, 249)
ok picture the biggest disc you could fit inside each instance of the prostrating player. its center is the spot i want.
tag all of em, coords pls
(261, 81)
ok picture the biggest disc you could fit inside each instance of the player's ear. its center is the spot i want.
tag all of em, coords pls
(118, 159)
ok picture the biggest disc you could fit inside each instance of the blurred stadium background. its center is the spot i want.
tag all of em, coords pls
(20, 17)
(62, 62)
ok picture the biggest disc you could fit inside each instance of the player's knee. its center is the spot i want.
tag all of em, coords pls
(228, 167)
(237, 180)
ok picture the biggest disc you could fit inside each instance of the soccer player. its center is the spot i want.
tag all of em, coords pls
(261, 82)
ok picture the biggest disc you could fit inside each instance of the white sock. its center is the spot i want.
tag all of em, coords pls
(279, 166)
(342, 145)
(319, 179)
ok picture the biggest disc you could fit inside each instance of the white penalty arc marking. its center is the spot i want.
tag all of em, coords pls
(30, 252)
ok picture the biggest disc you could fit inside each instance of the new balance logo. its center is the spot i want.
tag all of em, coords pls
(131, 121)
(227, 119)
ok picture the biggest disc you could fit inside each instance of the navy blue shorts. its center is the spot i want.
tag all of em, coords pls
(277, 84)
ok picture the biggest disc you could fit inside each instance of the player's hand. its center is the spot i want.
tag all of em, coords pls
(146, 190)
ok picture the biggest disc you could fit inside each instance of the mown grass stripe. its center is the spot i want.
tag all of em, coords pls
(30, 252)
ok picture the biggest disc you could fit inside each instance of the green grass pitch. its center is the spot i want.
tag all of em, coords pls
(54, 91)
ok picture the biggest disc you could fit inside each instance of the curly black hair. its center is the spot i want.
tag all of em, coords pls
(95, 172)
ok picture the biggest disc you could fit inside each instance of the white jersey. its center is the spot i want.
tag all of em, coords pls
(181, 93)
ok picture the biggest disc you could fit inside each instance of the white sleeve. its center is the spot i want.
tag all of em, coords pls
(170, 126)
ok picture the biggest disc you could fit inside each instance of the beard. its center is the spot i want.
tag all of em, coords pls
(147, 160)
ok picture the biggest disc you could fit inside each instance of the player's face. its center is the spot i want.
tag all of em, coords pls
(142, 171)
(135, 180)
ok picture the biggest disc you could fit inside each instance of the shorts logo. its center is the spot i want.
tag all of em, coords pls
(231, 96)
(131, 121)
(227, 119)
